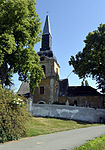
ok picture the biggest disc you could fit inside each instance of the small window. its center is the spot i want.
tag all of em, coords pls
(42, 90)
(42, 59)
(56, 70)
(44, 69)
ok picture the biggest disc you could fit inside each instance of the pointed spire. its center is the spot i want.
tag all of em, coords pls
(46, 37)
(47, 29)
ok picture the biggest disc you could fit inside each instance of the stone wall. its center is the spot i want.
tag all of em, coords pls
(69, 112)
(42, 97)
(50, 91)
(84, 101)
(51, 65)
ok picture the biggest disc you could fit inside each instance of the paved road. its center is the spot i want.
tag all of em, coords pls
(58, 141)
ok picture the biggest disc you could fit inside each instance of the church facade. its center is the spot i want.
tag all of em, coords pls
(52, 90)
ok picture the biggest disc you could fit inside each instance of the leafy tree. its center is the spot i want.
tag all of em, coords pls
(91, 61)
(84, 83)
(19, 31)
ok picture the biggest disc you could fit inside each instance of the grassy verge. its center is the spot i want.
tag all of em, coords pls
(96, 144)
(40, 126)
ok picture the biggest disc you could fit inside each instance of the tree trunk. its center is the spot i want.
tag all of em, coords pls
(3, 73)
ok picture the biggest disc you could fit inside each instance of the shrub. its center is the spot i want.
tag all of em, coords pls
(13, 116)
(59, 103)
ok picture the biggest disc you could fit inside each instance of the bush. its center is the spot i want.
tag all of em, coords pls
(59, 103)
(13, 116)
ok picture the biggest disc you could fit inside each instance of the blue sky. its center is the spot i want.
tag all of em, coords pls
(71, 21)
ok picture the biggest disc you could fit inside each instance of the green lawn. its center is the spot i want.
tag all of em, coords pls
(40, 126)
(96, 144)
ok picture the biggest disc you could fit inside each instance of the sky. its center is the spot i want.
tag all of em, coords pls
(70, 21)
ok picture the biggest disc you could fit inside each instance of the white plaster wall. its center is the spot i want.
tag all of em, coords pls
(68, 112)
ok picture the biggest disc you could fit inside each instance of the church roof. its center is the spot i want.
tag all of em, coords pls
(63, 86)
(24, 89)
(82, 91)
(47, 29)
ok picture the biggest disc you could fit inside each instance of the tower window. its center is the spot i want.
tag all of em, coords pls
(41, 90)
(57, 71)
(42, 59)
(44, 69)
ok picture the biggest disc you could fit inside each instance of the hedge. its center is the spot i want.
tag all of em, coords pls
(13, 116)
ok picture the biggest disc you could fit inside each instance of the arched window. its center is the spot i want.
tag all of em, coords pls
(41, 102)
(44, 68)
(75, 103)
(42, 59)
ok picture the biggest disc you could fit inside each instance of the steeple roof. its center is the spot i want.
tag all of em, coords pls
(47, 29)
(46, 45)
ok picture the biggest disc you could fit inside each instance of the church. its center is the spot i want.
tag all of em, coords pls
(52, 90)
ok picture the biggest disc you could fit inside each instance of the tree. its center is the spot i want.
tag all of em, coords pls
(19, 31)
(84, 83)
(91, 61)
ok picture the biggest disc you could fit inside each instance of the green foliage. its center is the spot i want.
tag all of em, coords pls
(13, 116)
(84, 83)
(97, 144)
(91, 61)
(19, 31)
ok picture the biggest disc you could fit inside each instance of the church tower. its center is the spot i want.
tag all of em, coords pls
(47, 92)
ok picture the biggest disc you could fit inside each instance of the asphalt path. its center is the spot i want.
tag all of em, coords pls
(66, 140)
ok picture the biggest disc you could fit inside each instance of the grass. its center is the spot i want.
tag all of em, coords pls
(96, 144)
(40, 126)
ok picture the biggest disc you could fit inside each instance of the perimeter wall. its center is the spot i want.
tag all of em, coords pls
(69, 112)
